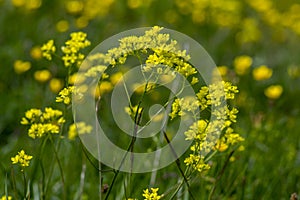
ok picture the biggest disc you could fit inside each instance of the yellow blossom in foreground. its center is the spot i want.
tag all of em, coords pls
(151, 195)
(22, 159)
(42, 75)
(72, 47)
(48, 49)
(65, 95)
(273, 91)
(21, 66)
(4, 197)
(262, 73)
(242, 64)
(42, 123)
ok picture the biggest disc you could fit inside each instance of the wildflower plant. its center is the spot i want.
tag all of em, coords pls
(192, 110)
(160, 91)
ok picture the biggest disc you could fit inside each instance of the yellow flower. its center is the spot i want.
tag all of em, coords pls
(36, 52)
(62, 26)
(42, 123)
(151, 195)
(21, 66)
(262, 73)
(242, 64)
(71, 49)
(221, 146)
(48, 49)
(74, 7)
(42, 75)
(56, 85)
(78, 129)
(105, 87)
(22, 159)
(274, 91)
(4, 197)
(114, 78)
(65, 95)
(221, 70)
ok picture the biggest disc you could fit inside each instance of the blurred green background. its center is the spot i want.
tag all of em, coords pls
(267, 32)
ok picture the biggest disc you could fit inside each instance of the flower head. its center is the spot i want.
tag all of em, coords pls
(151, 195)
(48, 49)
(274, 91)
(242, 64)
(72, 47)
(262, 73)
(22, 159)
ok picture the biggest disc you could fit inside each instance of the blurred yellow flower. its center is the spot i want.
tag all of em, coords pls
(74, 7)
(78, 77)
(33, 4)
(78, 128)
(82, 22)
(62, 26)
(220, 71)
(56, 85)
(18, 3)
(4, 197)
(114, 78)
(36, 52)
(274, 91)
(42, 75)
(105, 87)
(242, 64)
(262, 73)
(21, 66)
(134, 3)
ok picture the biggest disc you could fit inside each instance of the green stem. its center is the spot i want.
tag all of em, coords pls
(220, 175)
(60, 168)
(178, 166)
(25, 183)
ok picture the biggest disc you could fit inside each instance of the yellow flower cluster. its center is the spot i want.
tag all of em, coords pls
(6, 198)
(48, 49)
(218, 12)
(42, 123)
(151, 195)
(72, 47)
(22, 159)
(78, 128)
(206, 134)
(88, 10)
(65, 95)
(197, 162)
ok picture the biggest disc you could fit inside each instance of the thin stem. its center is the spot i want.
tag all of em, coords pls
(178, 165)
(123, 159)
(60, 168)
(98, 150)
(82, 177)
(25, 183)
(14, 182)
(220, 175)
